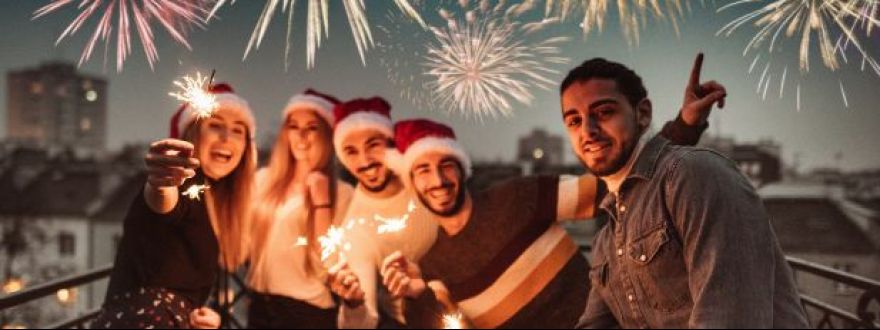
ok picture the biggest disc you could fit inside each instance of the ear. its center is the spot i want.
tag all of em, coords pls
(644, 111)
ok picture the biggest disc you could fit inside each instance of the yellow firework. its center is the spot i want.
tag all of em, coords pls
(634, 15)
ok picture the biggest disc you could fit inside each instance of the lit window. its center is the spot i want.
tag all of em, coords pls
(36, 88)
(85, 125)
(91, 96)
(13, 285)
(538, 153)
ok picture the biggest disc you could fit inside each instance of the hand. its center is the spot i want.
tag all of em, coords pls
(345, 284)
(204, 318)
(170, 162)
(319, 188)
(401, 277)
(699, 98)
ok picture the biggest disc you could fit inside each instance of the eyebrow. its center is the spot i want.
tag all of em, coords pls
(374, 139)
(602, 102)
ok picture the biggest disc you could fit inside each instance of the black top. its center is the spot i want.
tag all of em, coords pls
(177, 251)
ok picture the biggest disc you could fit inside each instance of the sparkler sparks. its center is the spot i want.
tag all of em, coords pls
(393, 225)
(480, 64)
(175, 16)
(195, 191)
(317, 24)
(332, 243)
(194, 91)
(453, 321)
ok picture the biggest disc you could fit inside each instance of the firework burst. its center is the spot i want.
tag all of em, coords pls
(317, 24)
(175, 16)
(479, 65)
(834, 28)
(634, 15)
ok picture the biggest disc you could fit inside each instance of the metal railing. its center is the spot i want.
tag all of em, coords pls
(866, 315)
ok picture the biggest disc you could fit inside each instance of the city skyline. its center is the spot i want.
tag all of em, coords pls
(139, 107)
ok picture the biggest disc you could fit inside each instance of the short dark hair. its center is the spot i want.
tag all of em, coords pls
(628, 82)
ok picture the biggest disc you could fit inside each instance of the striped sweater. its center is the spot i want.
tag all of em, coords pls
(512, 266)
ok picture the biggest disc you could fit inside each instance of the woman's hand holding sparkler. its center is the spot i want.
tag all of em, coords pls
(204, 318)
(401, 277)
(169, 163)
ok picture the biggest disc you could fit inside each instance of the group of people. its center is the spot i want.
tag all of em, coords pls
(687, 242)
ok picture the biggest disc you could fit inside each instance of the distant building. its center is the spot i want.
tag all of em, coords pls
(761, 162)
(815, 223)
(67, 212)
(541, 149)
(54, 105)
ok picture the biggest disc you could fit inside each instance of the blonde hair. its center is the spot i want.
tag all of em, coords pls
(276, 180)
(228, 202)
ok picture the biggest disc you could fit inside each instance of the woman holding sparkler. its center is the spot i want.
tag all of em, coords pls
(189, 221)
(298, 199)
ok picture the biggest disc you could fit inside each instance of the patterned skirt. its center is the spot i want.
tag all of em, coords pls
(145, 308)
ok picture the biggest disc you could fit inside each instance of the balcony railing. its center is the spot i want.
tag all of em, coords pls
(866, 315)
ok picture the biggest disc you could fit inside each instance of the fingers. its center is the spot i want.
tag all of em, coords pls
(183, 148)
(714, 87)
(709, 100)
(394, 258)
(204, 318)
(161, 160)
(696, 72)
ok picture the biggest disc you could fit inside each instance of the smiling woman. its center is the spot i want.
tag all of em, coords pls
(168, 257)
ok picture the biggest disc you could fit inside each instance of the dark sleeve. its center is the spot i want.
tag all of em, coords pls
(140, 210)
(728, 244)
(424, 312)
(597, 314)
(680, 133)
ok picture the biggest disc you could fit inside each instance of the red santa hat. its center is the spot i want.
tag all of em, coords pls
(225, 98)
(361, 114)
(417, 137)
(322, 104)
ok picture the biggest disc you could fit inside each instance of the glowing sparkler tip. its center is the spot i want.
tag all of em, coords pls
(195, 191)
(453, 321)
(194, 92)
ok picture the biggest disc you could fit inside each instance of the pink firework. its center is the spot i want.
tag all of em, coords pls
(176, 16)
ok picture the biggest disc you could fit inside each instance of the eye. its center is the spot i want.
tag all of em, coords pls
(238, 130)
(605, 113)
(573, 121)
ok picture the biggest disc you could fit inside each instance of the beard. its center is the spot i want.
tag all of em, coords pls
(455, 209)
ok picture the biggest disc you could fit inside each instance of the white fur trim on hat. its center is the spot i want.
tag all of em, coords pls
(361, 121)
(300, 102)
(447, 145)
(224, 100)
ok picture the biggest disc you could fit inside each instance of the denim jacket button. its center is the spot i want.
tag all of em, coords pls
(619, 252)
(631, 297)
(643, 258)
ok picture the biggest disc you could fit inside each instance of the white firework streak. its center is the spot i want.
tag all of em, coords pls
(175, 16)
(479, 65)
(317, 24)
(195, 191)
(301, 241)
(831, 26)
(634, 15)
(193, 91)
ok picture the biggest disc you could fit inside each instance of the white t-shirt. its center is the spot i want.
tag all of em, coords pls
(279, 255)
(371, 229)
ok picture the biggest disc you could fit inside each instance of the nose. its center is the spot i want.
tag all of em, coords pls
(590, 129)
(436, 180)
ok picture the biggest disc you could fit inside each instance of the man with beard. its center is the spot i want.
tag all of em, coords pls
(689, 243)
(501, 258)
(362, 134)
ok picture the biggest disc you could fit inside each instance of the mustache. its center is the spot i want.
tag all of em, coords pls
(443, 186)
(371, 166)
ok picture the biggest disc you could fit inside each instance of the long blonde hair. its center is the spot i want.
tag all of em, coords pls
(278, 176)
(228, 201)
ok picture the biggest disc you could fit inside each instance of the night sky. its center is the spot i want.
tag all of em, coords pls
(139, 107)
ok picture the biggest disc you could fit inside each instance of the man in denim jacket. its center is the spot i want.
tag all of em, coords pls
(688, 243)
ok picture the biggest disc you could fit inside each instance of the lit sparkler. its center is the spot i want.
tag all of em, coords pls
(317, 24)
(175, 16)
(195, 191)
(194, 91)
(453, 321)
(333, 242)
